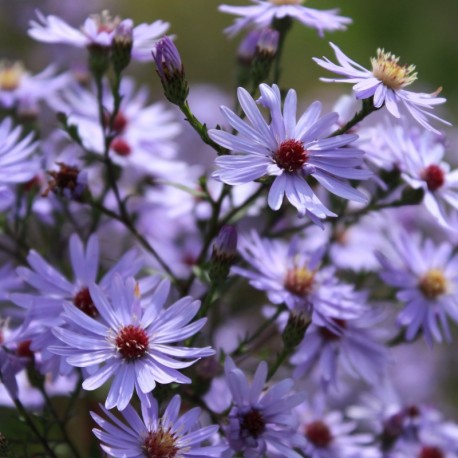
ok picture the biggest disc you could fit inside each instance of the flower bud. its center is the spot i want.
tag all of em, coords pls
(224, 253)
(99, 60)
(245, 56)
(170, 71)
(266, 50)
(122, 46)
(295, 329)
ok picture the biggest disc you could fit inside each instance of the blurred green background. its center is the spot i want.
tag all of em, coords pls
(421, 32)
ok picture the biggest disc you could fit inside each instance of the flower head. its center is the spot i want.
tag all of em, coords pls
(292, 275)
(155, 436)
(425, 275)
(329, 435)
(98, 30)
(289, 150)
(263, 13)
(260, 421)
(385, 83)
(21, 90)
(132, 343)
(350, 345)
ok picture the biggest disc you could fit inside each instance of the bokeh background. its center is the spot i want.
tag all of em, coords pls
(422, 32)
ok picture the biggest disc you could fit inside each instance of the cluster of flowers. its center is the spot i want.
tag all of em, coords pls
(327, 215)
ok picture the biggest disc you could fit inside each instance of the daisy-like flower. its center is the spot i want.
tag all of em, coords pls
(290, 151)
(292, 275)
(21, 90)
(141, 132)
(54, 289)
(131, 342)
(426, 276)
(99, 30)
(424, 168)
(329, 435)
(260, 421)
(16, 162)
(385, 83)
(155, 436)
(351, 346)
(264, 12)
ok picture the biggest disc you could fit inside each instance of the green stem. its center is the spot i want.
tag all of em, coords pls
(142, 240)
(278, 362)
(59, 422)
(366, 110)
(34, 429)
(201, 129)
(282, 26)
(240, 350)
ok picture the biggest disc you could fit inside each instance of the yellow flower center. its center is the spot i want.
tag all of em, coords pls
(385, 67)
(299, 280)
(433, 284)
(286, 2)
(10, 75)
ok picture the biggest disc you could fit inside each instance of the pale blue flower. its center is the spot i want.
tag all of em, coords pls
(156, 436)
(131, 342)
(385, 83)
(290, 150)
(264, 12)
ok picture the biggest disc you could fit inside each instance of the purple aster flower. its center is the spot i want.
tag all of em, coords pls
(351, 346)
(45, 309)
(290, 151)
(140, 132)
(21, 90)
(155, 436)
(329, 435)
(426, 276)
(98, 29)
(263, 13)
(292, 275)
(385, 83)
(419, 156)
(129, 342)
(424, 168)
(260, 421)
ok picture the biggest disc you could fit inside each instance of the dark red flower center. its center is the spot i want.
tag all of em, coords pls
(160, 444)
(121, 147)
(83, 301)
(431, 452)
(132, 342)
(434, 177)
(329, 334)
(318, 434)
(253, 422)
(23, 349)
(291, 155)
(412, 411)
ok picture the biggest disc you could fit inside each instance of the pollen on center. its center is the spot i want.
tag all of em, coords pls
(291, 155)
(132, 342)
(299, 281)
(433, 284)
(386, 68)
